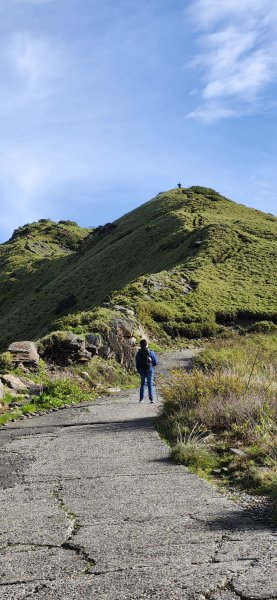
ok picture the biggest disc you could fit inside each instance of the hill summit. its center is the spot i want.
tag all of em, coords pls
(187, 263)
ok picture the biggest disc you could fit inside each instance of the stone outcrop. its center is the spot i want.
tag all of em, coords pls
(121, 341)
(65, 348)
(24, 354)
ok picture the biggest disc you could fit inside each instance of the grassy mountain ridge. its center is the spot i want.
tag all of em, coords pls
(187, 257)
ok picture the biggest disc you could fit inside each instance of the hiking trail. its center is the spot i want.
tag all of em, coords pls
(92, 508)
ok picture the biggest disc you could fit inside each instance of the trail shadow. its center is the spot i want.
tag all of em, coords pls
(250, 519)
(85, 427)
(116, 426)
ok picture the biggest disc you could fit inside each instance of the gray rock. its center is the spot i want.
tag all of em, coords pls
(237, 451)
(1, 391)
(121, 341)
(14, 383)
(93, 341)
(35, 389)
(63, 348)
(106, 352)
(24, 353)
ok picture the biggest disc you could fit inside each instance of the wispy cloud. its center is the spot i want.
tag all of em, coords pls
(36, 60)
(237, 60)
(210, 114)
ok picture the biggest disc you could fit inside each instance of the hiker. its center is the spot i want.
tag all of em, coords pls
(146, 360)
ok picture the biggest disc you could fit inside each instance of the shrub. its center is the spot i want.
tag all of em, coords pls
(219, 401)
(60, 392)
(195, 330)
(6, 361)
(263, 327)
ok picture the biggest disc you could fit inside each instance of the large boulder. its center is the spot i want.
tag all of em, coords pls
(14, 383)
(122, 342)
(64, 348)
(24, 354)
(1, 391)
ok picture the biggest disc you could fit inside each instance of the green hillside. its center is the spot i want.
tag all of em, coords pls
(187, 262)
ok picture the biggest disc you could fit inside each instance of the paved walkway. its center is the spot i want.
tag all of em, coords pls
(91, 508)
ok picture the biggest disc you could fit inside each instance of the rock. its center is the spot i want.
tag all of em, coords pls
(85, 376)
(28, 382)
(120, 340)
(14, 383)
(63, 348)
(113, 390)
(93, 341)
(35, 389)
(1, 391)
(237, 451)
(97, 386)
(24, 353)
(106, 352)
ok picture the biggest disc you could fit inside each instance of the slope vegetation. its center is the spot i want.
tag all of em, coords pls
(187, 262)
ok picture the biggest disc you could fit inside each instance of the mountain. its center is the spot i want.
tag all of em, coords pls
(188, 262)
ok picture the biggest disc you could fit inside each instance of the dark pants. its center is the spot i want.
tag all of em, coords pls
(147, 376)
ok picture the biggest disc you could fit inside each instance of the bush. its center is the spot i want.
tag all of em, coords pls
(194, 330)
(263, 327)
(219, 401)
(60, 392)
(6, 361)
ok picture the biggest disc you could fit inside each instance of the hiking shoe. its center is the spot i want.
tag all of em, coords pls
(152, 401)
(141, 401)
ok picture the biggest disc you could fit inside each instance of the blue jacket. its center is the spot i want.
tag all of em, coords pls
(139, 360)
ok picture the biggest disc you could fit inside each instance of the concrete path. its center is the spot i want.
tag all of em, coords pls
(91, 508)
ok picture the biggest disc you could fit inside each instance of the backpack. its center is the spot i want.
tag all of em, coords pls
(145, 360)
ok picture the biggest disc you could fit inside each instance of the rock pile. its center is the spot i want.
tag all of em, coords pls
(64, 348)
(24, 354)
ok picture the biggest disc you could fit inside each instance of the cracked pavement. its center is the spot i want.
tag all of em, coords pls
(91, 508)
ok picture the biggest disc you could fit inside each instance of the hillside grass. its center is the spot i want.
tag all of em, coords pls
(189, 263)
(221, 419)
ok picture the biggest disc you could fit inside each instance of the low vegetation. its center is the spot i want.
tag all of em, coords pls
(221, 418)
(63, 387)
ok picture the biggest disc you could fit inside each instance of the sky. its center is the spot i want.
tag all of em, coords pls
(104, 104)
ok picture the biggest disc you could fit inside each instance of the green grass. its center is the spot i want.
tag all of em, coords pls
(189, 263)
(228, 401)
(69, 386)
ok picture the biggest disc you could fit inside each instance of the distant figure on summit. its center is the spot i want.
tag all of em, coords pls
(146, 360)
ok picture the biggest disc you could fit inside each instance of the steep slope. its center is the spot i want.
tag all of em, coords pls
(184, 261)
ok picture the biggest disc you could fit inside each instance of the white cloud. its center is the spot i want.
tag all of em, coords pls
(206, 13)
(238, 56)
(210, 114)
(34, 59)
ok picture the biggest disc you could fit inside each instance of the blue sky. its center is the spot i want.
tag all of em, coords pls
(103, 104)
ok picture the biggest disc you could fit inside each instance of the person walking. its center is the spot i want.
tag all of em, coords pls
(146, 360)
